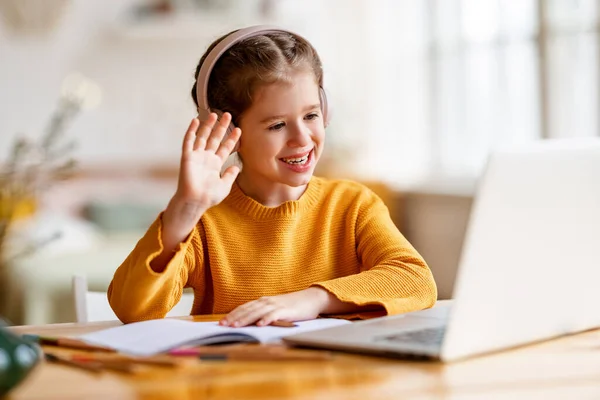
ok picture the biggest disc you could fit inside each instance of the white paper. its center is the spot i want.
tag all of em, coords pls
(160, 335)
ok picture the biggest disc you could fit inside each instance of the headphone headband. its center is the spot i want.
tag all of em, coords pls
(224, 45)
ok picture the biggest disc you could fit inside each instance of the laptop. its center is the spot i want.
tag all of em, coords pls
(529, 268)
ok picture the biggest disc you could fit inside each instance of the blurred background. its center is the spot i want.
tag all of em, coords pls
(98, 91)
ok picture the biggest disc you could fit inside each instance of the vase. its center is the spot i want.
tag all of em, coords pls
(18, 357)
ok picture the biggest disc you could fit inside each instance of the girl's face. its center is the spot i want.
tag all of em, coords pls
(283, 133)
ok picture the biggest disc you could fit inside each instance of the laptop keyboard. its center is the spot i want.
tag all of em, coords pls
(429, 336)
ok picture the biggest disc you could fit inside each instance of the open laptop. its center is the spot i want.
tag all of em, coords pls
(529, 268)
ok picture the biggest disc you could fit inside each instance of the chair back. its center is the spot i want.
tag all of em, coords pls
(93, 306)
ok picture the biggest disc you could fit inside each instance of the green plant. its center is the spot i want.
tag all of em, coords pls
(33, 166)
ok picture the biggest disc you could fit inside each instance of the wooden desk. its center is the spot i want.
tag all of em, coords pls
(565, 368)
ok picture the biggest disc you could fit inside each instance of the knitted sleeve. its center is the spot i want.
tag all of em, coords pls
(393, 274)
(137, 292)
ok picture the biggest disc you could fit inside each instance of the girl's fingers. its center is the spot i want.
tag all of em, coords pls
(230, 174)
(218, 132)
(254, 315)
(239, 311)
(203, 132)
(227, 146)
(269, 317)
(190, 136)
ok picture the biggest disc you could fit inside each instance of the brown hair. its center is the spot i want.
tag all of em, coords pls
(253, 62)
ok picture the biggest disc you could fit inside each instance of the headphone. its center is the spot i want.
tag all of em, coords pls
(225, 44)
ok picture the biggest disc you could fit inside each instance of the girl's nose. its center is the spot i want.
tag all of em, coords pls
(299, 136)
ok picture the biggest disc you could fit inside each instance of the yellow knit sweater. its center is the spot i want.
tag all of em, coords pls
(338, 236)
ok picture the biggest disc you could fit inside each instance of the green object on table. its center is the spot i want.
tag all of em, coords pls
(18, 357)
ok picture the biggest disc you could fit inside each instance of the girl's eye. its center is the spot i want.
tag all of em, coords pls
(277, 127)
(312, 116)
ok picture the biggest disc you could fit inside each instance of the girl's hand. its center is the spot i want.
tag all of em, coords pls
(200, 185)
(296, 306)
(200, 181)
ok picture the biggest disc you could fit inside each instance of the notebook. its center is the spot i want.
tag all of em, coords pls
(161, 335)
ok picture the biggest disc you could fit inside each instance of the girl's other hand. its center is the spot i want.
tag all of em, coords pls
(296, 306)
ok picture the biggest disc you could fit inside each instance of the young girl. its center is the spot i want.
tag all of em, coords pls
(270, 241)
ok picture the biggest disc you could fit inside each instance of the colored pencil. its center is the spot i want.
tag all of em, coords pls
(70, 343)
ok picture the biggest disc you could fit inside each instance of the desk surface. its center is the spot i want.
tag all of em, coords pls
(564, 368)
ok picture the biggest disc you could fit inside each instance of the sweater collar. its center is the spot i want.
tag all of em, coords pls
(247, 205)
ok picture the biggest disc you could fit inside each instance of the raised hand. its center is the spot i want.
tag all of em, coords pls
(202, 157)
(200, 184)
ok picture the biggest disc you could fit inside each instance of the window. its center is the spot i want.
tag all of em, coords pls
(423, 90)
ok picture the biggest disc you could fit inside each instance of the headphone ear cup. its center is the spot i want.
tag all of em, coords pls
(325, 106)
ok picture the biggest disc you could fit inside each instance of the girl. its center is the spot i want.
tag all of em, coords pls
(270, 241)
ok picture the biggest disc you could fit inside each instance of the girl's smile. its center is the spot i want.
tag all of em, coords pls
(300, 162)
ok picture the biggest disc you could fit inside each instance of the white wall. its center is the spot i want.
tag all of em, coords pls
(146, 73)
(33, 67)
(145, 84)
(421, 90)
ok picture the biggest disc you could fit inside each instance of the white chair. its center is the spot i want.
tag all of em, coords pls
(94, 306)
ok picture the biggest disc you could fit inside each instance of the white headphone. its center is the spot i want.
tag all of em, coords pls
(226, 43)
